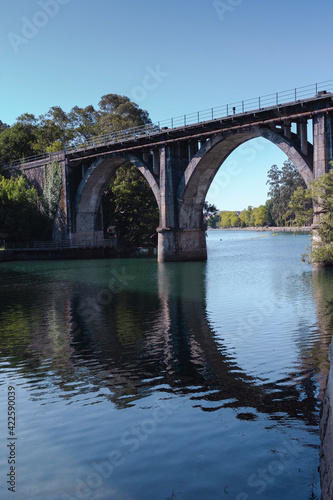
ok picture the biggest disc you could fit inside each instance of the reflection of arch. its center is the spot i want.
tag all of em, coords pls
(90, 192)
(205, 164)
(178, 349)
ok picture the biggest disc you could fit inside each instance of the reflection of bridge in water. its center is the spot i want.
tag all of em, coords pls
(180, 159)
(135, 342)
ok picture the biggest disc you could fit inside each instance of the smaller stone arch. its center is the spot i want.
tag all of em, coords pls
(87, 205)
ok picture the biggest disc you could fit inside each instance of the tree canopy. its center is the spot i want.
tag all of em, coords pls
(20, 217)
(282, 184)
(129, 204)
(51, 131)
(316, 202)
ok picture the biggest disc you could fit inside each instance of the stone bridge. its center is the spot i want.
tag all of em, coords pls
(180, 160)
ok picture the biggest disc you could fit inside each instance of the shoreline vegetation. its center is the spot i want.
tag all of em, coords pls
(286, 229)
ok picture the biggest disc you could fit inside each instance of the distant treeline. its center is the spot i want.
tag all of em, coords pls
(276, 212)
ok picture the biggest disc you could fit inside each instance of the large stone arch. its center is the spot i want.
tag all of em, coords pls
(90, 191)
(204, 165)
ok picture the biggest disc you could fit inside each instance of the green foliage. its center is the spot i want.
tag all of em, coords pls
(118, 112)
(130, 205)
(320, 195)
(51, 191)
(20, 218)
(214, 221)
(83, 122)
(210, 215)
(16, 142)
(3, 126)
(229, 219)
(282, 184)
(260, 215)
(56, 129)
(245, 216)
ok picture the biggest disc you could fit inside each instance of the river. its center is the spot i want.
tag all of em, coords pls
(134, 380)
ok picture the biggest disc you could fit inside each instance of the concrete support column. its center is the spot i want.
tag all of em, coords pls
(329, 140)
(175, 244)
(181, 245)
(320, 160)
(298, 129)
(192, 149)
(304, 137)
(156, 162)
(287, 129)
(322, 154)
(145, 156)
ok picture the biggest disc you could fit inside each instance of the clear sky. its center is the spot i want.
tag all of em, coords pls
(171, 57)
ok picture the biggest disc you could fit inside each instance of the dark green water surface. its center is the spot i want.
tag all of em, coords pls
(186, 381)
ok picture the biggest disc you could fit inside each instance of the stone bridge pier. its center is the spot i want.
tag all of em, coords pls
(181, 233)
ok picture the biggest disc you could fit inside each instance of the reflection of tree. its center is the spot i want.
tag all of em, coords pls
(30, 332)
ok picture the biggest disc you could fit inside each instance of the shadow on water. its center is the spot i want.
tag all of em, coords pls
(138, 333)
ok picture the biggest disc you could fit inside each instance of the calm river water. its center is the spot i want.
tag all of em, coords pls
(186, 381)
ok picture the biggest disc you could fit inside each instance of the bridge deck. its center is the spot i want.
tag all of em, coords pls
(242, 113)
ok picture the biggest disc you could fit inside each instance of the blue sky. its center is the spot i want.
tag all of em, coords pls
(171, 57)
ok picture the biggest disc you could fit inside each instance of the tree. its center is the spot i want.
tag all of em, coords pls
(282, 184)
(274, 177)
(20, 218)
(234, 220)
(209, 213)
(83, 122)
(214, 221)
(225, 219)
(245, 216)
(119, 112)
(17, 142)
(260, 215)
(320, 193)
(3, 126)
(54, 130)
(229, 219)
(130, 205)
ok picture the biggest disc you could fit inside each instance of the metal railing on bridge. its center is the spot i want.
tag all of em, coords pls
(286, 97)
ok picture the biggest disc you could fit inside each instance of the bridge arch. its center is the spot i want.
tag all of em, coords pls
(203, 167)
(88, 199)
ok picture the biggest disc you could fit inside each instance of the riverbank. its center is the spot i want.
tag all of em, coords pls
(303, 229)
